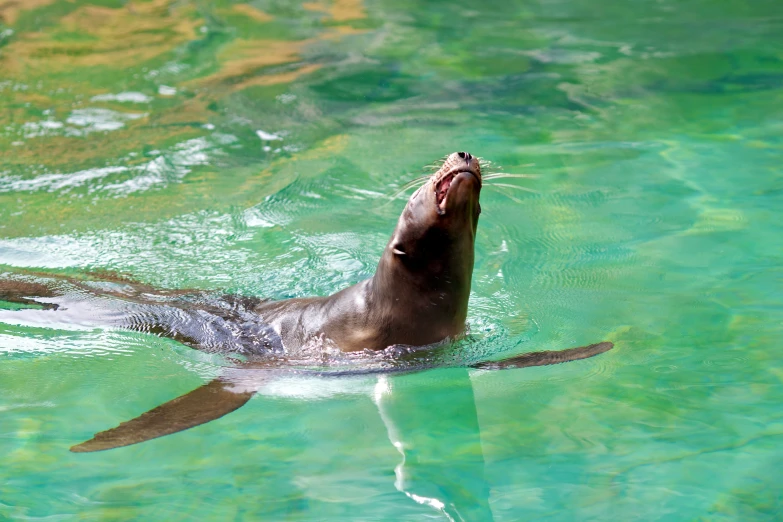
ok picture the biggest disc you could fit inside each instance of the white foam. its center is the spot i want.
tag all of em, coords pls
(123, 97)
(268, 136)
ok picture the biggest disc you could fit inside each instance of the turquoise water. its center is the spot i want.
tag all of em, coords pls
(255, 148)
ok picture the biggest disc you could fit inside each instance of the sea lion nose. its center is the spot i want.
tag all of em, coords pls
(466, 156)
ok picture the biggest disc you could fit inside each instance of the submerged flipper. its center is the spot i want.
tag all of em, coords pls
(206, 403)
(233, 389)
(546, 358)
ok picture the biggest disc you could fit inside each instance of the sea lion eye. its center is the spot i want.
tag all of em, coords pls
(397, 250)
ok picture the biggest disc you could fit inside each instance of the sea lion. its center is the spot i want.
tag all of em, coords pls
(418, 296)
(419, 293)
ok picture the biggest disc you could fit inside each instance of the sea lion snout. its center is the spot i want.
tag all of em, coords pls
(459, 169)
(460, 162)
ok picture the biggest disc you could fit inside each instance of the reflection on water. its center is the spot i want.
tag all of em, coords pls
(253, 147)
(429, 426)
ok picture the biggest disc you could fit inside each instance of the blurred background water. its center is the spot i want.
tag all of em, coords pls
(254, 147)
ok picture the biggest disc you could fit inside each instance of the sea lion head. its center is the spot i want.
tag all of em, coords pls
(442, 215)
(428, 263)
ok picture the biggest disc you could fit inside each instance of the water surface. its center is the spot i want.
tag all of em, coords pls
(253, 147)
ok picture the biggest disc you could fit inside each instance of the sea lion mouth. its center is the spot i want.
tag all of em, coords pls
(444, 184)
(442, 188)
(455, 165)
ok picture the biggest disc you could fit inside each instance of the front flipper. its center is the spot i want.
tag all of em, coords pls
(235, 387)
(206, 403)
(546, 358)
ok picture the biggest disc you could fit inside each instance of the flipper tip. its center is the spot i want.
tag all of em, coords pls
(98, 443)
(81, 448)
(602, 347)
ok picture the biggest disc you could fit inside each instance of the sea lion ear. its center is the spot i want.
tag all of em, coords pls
(397, 249)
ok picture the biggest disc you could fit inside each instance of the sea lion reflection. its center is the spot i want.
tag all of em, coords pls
(434, 426)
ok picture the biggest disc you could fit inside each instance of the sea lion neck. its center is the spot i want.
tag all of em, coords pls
(423, 279)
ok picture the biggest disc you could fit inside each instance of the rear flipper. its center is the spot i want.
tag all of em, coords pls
(25, 292)
(233, 389)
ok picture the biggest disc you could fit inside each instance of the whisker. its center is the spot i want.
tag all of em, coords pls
(513, 187)
(435, 165)
(487, 166)
(509, 196)
(505, 175)
(406, 187)
(491, 168)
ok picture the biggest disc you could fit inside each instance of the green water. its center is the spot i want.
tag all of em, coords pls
(129, 141)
